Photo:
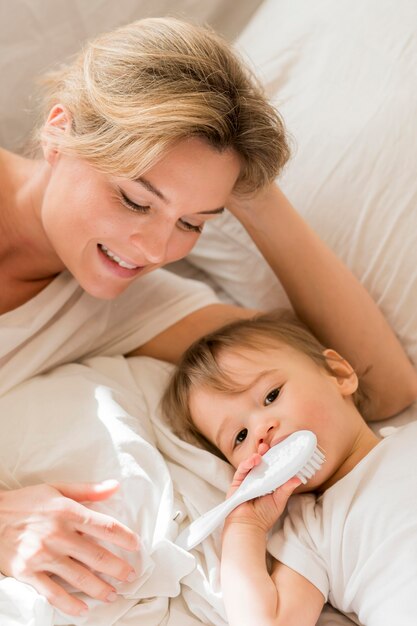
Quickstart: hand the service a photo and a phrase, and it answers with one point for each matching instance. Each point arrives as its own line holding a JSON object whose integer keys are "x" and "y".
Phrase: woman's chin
{"x": 103, "y": 289}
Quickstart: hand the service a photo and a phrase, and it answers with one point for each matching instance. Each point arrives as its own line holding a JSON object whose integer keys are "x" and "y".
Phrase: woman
{"x": 149, "y": 133}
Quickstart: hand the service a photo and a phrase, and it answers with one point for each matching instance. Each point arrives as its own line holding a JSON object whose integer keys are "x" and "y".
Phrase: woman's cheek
{"x": 181, "y": 246}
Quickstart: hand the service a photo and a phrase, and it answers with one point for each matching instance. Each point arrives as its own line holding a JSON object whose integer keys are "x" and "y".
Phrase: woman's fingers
{"x": 97, "y": 558}
{"x": 101, "y": 526}
{"x": 40, "y": 528}
{"x": 82, "y": 579}
{"x": 88, "y": 492}
{"x": 57, "y": 596}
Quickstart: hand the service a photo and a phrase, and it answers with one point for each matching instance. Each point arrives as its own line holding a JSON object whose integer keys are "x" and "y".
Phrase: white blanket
{"x": 99, "y": 420}
{"x": 93, "y": 421}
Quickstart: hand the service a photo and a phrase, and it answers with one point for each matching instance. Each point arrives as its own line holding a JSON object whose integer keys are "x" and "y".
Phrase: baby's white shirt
{"x": 357, "y": 543}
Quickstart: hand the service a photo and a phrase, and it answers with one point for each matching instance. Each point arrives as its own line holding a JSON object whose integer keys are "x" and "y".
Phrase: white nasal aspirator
{"x": 297, "y": 455}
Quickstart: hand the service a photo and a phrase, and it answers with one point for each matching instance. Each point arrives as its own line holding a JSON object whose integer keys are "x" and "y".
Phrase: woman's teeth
{"x": 117, "y": 259}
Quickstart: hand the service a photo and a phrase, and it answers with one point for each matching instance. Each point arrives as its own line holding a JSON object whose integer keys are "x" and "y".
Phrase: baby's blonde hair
{"x": 199, "y": 366}
{"x": 135, "y": 92}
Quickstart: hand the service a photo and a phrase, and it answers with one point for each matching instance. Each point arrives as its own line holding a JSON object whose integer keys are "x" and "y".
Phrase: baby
{"x": 353, "y": 539}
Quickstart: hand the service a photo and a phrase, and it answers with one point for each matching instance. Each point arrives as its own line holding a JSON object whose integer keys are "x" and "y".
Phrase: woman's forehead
{"x": 188, "y": 171}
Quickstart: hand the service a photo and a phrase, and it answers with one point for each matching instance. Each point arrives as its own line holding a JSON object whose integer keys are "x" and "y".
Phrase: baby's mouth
{"x": 279, "y": 439}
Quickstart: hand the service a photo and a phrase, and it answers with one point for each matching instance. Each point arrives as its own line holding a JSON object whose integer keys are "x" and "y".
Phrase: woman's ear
{"x": 58, "y": 121}
{"x": 343, "y": 373}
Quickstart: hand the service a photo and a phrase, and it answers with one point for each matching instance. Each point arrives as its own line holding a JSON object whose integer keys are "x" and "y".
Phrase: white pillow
{"x": 343, "y": 76}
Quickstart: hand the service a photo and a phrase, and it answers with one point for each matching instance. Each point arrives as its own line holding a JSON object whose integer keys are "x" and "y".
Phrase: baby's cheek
{"x": 318, "y": 413}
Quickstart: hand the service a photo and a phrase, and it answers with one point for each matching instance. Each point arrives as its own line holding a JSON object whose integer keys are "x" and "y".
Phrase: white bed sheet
{"x": 101, "y": 412}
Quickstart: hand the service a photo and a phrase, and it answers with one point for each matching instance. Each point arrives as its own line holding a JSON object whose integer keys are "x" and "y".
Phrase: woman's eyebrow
{"x": 151, "y": 188}
{"x": 213, "y": 212}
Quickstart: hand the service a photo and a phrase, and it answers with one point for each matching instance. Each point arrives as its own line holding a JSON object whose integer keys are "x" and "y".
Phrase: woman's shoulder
{"x": 7, "y": 160}
{"x": 9, "y": 163}
{"x": 15, "y": 169}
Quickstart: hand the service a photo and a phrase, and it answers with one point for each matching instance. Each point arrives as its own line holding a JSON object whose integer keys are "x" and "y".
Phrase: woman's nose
{"x": 153, "y": 244}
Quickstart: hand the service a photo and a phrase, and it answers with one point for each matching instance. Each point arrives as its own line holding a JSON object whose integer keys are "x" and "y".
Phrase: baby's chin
{"x": 317, "y": 484}
{"x": 308, "y": 488}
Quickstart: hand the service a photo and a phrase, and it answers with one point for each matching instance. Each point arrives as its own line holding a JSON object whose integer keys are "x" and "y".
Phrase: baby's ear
{"x": 343, "y": 373}
{"x": 58, "y": 121}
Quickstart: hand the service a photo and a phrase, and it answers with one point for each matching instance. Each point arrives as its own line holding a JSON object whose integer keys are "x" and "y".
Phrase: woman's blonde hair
{"x": 133, "y": 93}
{"x": 199, "y": 366}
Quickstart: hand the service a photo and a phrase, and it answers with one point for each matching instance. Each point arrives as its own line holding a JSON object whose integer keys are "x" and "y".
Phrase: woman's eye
{"x": 241, "y": 436}
{"x": 132, "y": 206}
{"x": 272, "y": 396}
{"x": 192, "y": 227}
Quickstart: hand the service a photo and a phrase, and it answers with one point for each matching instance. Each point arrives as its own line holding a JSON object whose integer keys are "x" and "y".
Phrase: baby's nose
{"x": 265, "y": 433}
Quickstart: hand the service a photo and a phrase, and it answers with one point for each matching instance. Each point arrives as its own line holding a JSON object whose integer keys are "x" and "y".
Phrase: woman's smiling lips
{"x": 117, "y": 258}
{"x": 121, "y": 267}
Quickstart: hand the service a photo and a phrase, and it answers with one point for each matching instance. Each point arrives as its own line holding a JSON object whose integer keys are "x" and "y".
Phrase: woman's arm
{"x": 324, "y": 294}
{"x": 329, "y": 299}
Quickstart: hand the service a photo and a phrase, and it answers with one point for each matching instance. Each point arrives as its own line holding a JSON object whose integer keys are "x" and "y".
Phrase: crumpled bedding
{"x": 98, "y": 420}
{"x": 93, "y": 421}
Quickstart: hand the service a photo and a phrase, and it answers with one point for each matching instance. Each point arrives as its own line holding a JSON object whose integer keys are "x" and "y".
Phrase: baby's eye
{"x": 272, "y": 396}
{"x": 241, "y": 436}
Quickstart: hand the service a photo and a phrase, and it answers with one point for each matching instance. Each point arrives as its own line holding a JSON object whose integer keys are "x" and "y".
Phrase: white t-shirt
{"x": 357, "y": 543}
{"x": 64, "y": 324}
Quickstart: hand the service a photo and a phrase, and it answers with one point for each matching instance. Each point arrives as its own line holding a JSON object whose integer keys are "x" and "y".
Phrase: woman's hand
{"x": 261, "y": 512}
{"x": 249, "y": 205}
{"x": 44, "y": 530}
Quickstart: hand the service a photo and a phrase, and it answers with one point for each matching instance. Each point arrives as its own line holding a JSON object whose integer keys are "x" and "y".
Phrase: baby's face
{"x": 285, "y": 391}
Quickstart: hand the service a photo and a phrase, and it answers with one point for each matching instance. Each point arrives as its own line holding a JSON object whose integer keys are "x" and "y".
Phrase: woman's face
{"x": 107, "y": 231}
